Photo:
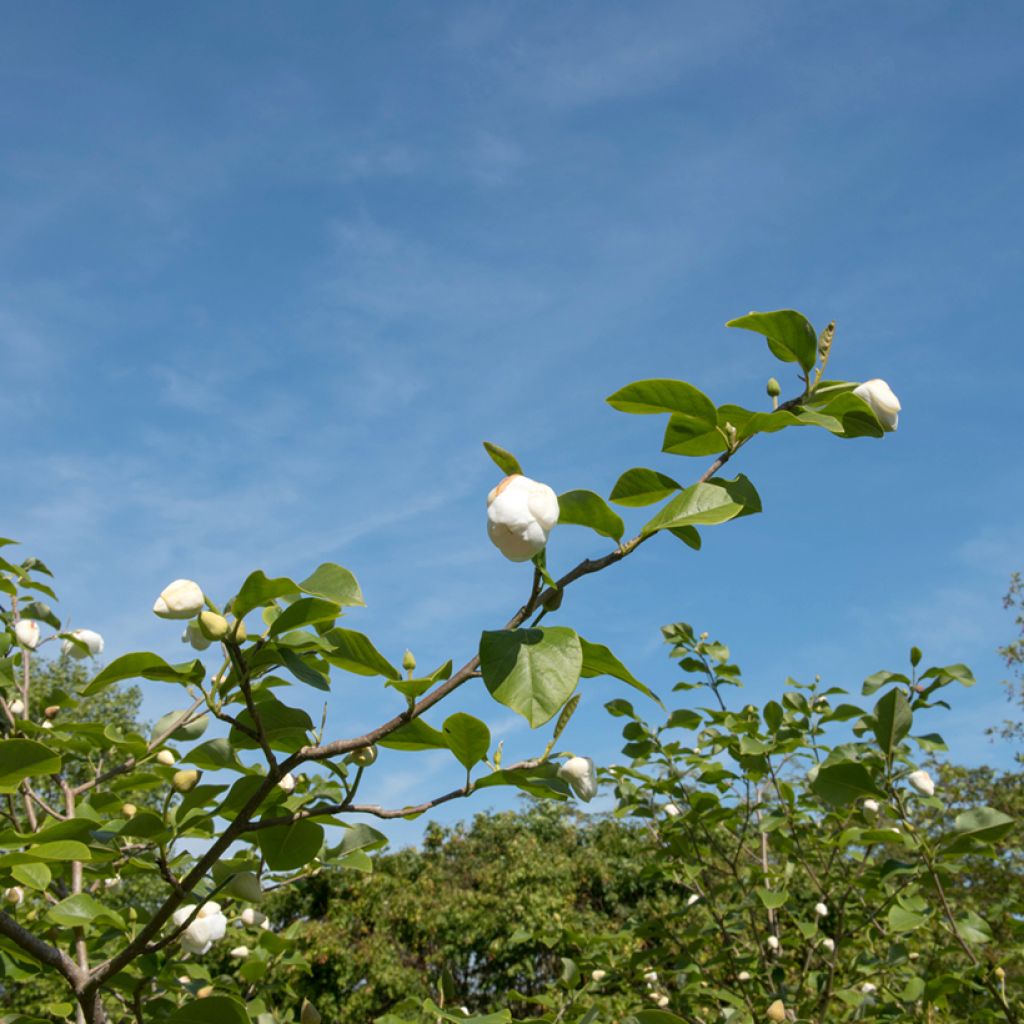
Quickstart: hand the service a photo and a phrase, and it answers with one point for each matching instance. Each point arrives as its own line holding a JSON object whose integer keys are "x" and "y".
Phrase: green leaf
{"x": 716, "y": 501}
{"x": 892, "y": 720}
{"x": 306, "y": 611}
{"x": 259, "y": 589}
{"x": 185, "y": 733}
{"x": 468, "y": 738}
{"x": 973, "y": 929}
{"x": 585, "y": 508}
{"x": 948, "y": 673}
{"x": 902, "y": 920}
{"x": 685, "y": 402}
{"x": 333, "y": 583}
{"x": 144, "y": 665}
{"x": 688, "y": 535}
{"x": 415, "y": 735}
{"x": 35, "y": 876}
{"x": 287, "y": 847}
{"x": 772, "y": 898}
{"x": 531, "y": 671}
{"x": 505, "y": 461}
{"x": 23, "y": 759}
{"x": 982, "y": 825}
{"x": 285, "y": 727}
{"x": 657, "y": 1017}
{"x": 598, "y": 660}
{"x": 843, "y": 783}
{"x": 212, "y": 1010}
{"x": 790, "y": 335}
{"x": 414, "y": 688}
{"x": 355, "y": 653}
{"x": 82, "y": 909}
{"x": 60, "y": 850}
{"x": 641, "y": 486}
{"x": 302, "y": 670}
{"x": 41, "y": 612}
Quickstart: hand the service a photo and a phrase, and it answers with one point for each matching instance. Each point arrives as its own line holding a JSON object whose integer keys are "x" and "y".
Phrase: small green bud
{"x": 774, "y": 389}
{"x": 409, "y": 662}
{"x": 185, "y": 780}
{"x": 133, "y": 914}
{"x": 239, "y": 634}
{"x": 915, "y": 656}
{"x": 363, "y": 756}
{"x": 129, "y": 810}
{"x": 213, "y": 626}
{"x": 1000, "y": 973}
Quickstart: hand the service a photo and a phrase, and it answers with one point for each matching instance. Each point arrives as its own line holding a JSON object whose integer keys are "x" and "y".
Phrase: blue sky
{"x": 270, "y": 275}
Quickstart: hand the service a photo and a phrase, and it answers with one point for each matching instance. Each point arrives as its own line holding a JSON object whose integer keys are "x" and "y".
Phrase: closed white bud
{"x": 868, "y": 987}
{"x": 14, "y": 895}
{"x": 922, "y": 782}
{"x": 17, "y": 706}
{"x": 287, "y": 783}
{"x": 212, "y": 626}
{"x": 179, "y": 600}
{"x": 27, "y": 633}
{"x": 598, "y": 975}
{"x": 205, "y": 992}
{"x": 47, "y": 724}
{"x": 884, "y": 404}
{"x": 308, "y": 1014}
{"x": 92, "y": 641}
{"x": 651, "y": 977}
{"x": 743, "y": 976}
{"x": 692, "y": 898}
{"x": 165, "y": 757}
{"x": 773, "y": 943}
{"x": 913, "y": 956}
{"x": 829, "y": 945}
{"x": 194, "y": 635}
{"x": 129, "y": 810}
{"x": 671, "y": 810}
{"x": 776, "y": 1011}
{"x": 661, "y": 1001}
{"x": 253, "y": 918}
{"x": 870, "y": 807}
{"x": 521, "y": 513}
{"x": 239, "y": 952}
{"x": 581, "y": 775}
{"x": 185, "y": 780}
{"x": 821, "y": 910}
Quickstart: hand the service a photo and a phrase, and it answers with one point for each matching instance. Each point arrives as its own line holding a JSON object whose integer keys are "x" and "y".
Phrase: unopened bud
{"x": 409, "y": 662}
{"x": 308, "y": 1013}
{"x": 133, "y": 914}
{"x": 213, "y": 626}
{"x": 17, "y": 706}
{"x": 239, "y": 634}
{"x": 363, "y": 756}
{"x": 52, "y": 711}
{"x": 914, "y": 955}
{"x": 1000, "y": 973}
{"x": 185, "y": 780}
{"x": 773, "y": 388}
{"x": 776, "y": 1011}
{"x": 287, "y": 783}
{"x": 598, "y": 975}
{"x": 129, "y": 810}
{"x": 165, "y": 757}
{"x": 14, "y": 895}
{"x": 205, "y": 992}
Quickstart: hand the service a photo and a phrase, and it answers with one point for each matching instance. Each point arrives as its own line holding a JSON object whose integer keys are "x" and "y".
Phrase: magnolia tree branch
{"x": 42, "y": 951}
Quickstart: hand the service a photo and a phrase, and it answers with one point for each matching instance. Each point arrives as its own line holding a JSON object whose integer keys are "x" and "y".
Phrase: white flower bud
{"x": 773, "y": 943}
{"x": 868, "y": 988}
{"x": 521, "y": 513}
{"x": 829, "y": 945}
{"x": 661, "y": 1001}
{"x": 651, "y": 977}
{"x": 17, "y": 706}
{"x": 112, "y": 884}
{"x": 205, "y": 992}
{"x": 581, "y": 775}
{"x": 194, "y": 635}
{"x": 27, "y": 633}
{"x": 922, "y": 782}
{"x": 287, "y": 783}
{"x": 821, "y": 910}
{"x": 253, "y": 918}
{"x": 691, "y": 899}
{"x": 598, "y": 975}
{"x": 870, "y": 807}
{"x": 671, "y": 810}
{"x": 165, "y": 757}
{"x": 776, "y": 1011}
{"x": 47, "y": 724}
{"x": 14, "y": 895}
{"x": 239, "y": 952}
{"x": 93, "y": 644}
{"x": 179, "y": 600}
{"x": 884, "y": 404}
{"x": 914, "y": 955}
{"x": 743, "y": 976}
{"x": 185, "y": 780}
{"x": 129, "y": 810}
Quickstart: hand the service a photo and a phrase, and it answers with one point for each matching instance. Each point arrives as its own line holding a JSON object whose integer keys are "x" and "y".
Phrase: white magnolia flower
{"x": 598, "y": 975}
{"x": 208, "y": 927}
{"x": 821, "y": 910}
{"x": 239, "y": 952}
{"x": 773, "y": 943}
{"x": 287, "y": 783}
{"x": 193, "y": 635}
{"x": 743, "y": 976}
{"x": 868, "y": 987}
{"x": 871, "y": 807}
{"x": 829, "y": 945}
{"x": 691, "y": 899}
{"x": 17, "y": 706}
{"x": 671, "y": 810}
{"x": 884, "y": 404}
{"x": 581, "y": 775}
{"x": 253, "y": 918}
{"x": 93, "y": 644}
{"x": 922, "y": 782}
{"x": 520, "y": 514}
{"x": 165, "y": 757}
{"x": 27, "y": 633}
{"x": 15, "y": 894}
{"x": 179, "y": 600}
